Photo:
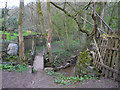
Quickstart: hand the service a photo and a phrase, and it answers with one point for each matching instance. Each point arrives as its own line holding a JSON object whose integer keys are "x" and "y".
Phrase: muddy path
{"x": 40, "y": 79}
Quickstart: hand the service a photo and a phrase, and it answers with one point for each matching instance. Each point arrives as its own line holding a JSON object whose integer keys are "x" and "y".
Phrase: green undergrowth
{"x": 61, "y": 79}
{"x": 61, "y": 54}
{"x": 14, "y": 35}
{"x": 12, "y": 63}
{"x": 11, "y": 68}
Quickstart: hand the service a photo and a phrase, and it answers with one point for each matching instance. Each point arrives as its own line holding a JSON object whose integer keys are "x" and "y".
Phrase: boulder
{"x": 12, "y": 49}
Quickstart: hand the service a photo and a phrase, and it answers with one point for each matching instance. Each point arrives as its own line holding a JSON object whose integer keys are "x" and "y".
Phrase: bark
{"x": 42, "y": 20}
{"x": 95, "y": 21}
{"x": 21, "y": 42}
{"x": 102, "y": 14}
{"x": 5, "y": 19}
{"x": 66, "y": 32}
{"x": 49, "y": 33}
{"x": 48, "y": 44}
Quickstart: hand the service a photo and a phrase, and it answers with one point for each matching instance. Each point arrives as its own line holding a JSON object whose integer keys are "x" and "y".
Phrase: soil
{"x": 40, "y": 79}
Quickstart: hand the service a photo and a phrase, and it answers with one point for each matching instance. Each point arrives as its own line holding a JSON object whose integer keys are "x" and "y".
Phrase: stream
{"x": 70, "y": 71}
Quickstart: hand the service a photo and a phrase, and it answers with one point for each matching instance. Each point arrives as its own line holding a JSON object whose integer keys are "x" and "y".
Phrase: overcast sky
{"x": 12, "y": 3}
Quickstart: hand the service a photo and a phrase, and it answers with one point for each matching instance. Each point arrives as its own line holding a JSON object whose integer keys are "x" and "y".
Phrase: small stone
{"x": 32, "y": 82}
{"x": 99, "y": 80}
{"x": 48, "y": 69}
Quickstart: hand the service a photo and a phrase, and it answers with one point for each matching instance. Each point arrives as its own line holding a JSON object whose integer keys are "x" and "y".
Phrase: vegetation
{"x": 67, "y": 29}
{"x": 61, "y": 79}
{"x": 11, "y": 68}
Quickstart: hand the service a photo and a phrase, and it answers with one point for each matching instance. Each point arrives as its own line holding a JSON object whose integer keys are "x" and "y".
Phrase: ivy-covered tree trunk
{"x": 21, "y": 41}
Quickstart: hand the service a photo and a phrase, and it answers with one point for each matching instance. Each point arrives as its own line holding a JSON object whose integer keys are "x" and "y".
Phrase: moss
{"x": 84, "y": 60}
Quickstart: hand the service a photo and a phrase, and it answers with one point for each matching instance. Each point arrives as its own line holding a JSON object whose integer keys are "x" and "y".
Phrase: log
{"x": 62, "y": 67}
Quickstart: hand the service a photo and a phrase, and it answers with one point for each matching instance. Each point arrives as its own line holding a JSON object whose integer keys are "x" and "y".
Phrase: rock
{"x": 12, "y": 49}
{"x": 48, "y": 69}
{"x": 33, "y": 82}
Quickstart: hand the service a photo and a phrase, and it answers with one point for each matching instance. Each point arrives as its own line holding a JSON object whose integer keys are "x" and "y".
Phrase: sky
{"x": 14, "y": 3}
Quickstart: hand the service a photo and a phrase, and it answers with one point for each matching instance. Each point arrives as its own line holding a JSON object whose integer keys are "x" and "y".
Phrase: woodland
{"x": 60, "y": 45}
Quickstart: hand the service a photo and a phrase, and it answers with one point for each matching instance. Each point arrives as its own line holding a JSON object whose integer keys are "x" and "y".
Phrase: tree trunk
{"x": 21, "y": 42}
{"x": 44, "y": 30}
{"x": 41, "y": 17}
{"x": 49, "y": 33}
{"x": 5, "y": 19}
{"x": 95, "y": 20}
{"x": 66, "y": 32}
{"x": 102, "y": 15}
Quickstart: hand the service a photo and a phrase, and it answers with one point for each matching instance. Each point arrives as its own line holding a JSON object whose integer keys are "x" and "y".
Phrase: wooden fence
{"x": 107, "y": 56}
{"x": 30, "y": 40}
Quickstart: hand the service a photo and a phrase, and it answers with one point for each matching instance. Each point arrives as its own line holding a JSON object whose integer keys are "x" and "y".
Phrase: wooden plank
{"x": 98, "y": 59}
{"x": 102, "y": 46}
{"x": 101, "y": 50}
{"x": 105, "y": 58}
{"x": 110, "y": 36}
{"x": 109, "y": 68}
{"x": 114, "y": 55}
{"x": 110, "y": 44}
{"x": 97, "y": 56}
{"x": 116, "y": 62}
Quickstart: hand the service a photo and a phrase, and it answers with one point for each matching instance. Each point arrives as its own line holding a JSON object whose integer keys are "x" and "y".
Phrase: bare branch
{"x": 73, "y": 17}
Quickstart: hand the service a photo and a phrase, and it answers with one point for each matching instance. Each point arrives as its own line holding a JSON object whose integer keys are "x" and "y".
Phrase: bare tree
{"x": 21, "y": 42}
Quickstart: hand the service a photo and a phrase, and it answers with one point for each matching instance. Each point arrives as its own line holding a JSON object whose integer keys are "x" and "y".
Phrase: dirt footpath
{"x": 27, "y": 80}
{"x": 40, "y": 79}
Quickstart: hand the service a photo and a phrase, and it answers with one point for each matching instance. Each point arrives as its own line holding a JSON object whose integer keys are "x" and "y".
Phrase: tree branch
{"x": 73, "y": 17}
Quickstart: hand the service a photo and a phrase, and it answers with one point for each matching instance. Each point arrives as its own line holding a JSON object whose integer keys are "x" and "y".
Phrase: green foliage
{"x": 11, "y": 68}
{"x": 12, "y": 23}
{"x": 14, "y": 35}
{"x": 61, "y": 79}
{"x": 11, "y": 58}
